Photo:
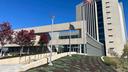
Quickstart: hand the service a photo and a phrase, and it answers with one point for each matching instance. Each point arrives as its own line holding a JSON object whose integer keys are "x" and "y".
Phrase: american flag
{"x": 71, "y": 27}
{"x": 87, "y": 1}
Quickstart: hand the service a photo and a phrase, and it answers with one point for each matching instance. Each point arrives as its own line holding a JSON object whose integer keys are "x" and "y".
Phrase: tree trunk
{"x": 42, "y": 52}
{"x": 50, "y": 56}
{"x": 28, "y": 52}
{"x": 1, "y": 50}
{"x": 38, "y": 53}
{"x": 21, "y": 51}
{"x": 35, "y": 53}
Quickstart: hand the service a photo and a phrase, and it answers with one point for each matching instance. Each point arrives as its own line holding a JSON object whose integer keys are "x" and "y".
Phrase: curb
{"x": 102, "y": 58}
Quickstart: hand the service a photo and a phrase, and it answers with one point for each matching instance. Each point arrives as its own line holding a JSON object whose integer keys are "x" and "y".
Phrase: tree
{"x": 24, "y": 38}
{"x": 31, "y": 41}
{"x": 6, "y": 34}
{"x": 125, "y": 51}
{"x": 44, "y": 40}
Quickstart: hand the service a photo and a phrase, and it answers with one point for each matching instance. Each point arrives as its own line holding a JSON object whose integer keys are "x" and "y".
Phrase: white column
{"x": 84, "y": 29}
{"x": 80, "y": 48}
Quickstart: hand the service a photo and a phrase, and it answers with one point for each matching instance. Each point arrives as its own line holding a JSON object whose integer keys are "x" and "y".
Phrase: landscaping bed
{"x": 119, "y": 64}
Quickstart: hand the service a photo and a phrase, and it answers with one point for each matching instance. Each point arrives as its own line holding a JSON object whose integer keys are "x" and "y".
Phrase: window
{"x": 111, "y": 41}
{"x": 108, "y": 12}
{"x": 108, "y": 17}
{"x": 110, "y": 50}
{"x": 107, "y": 6}
{"x": 110, "y": 35}
{"x": 109, "y": 29}
{"x": 109, "y": 23}
{"x": 107, "y": 2}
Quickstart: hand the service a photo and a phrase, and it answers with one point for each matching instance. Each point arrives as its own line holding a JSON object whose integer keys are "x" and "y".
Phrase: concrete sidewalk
{"x": 10, "y": 67}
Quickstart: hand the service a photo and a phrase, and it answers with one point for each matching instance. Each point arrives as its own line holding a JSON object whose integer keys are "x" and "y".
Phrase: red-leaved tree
{"x": 25, "y": 38}
{"x": 44, "y": 40}
{"x": 6, "y": 34}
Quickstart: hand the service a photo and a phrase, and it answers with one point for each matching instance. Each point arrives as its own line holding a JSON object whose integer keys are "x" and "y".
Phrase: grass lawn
{"x": 61, "y": 65}
{"x": 75, "y": 63}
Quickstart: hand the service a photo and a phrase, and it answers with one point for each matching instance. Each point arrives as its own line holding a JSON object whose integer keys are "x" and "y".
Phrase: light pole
{"x": 50, "y": 49}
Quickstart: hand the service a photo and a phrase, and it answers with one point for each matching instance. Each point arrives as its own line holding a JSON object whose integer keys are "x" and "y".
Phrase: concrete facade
{"x": 114, "y": 26}
{"x": 92, "y": 46}
{"x": 110, "y": 19}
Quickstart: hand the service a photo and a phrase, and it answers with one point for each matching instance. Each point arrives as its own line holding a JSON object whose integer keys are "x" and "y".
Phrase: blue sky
{"x": 30, "y": 13}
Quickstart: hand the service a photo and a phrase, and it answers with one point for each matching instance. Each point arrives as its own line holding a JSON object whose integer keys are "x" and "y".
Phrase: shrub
{"x": 110, "y": 61}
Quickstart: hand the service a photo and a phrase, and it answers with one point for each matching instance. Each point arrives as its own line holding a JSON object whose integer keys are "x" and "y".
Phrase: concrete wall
{"x": 56, "y": 27}
{"x": 93, "y": 45}
{"x": 94, "y": 48}
{"x": 117, "y": 26}
{"x": 24, "y": 59}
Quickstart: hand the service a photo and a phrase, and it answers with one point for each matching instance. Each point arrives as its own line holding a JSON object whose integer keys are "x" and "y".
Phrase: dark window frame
{"x": 108, "y": 12}
{"x": 111, "y": 41}
{"x": 108, "y": 17}
{"x": 109, "y": 23}
{"x": 107, "y": 6}
{"x": 107, "y": 2}
{"x": 110, "y": 35}
{"x": 109, "y": 29}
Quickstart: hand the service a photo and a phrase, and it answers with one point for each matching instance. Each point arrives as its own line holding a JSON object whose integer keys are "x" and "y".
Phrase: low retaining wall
{"x": 43, "y": 61}
{"x": 24, "y": 59}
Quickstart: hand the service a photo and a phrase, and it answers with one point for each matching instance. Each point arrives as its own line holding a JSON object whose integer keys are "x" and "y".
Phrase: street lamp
{"x": 50, "y": 48}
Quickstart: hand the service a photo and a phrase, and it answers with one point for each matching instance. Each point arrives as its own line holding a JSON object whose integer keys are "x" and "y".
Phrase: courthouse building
{"x": 99, "y": 29}
{"x": 108, "y": 14}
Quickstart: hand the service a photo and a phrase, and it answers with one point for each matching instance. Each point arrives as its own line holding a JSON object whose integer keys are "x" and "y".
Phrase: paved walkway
{"x": 10, "y": 67}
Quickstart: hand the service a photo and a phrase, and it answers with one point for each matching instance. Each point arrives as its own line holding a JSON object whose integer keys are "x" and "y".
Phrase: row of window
{"x": 108, "y": 12}
{"x": 67, "y": 37}
{"x": 109, "y": 18}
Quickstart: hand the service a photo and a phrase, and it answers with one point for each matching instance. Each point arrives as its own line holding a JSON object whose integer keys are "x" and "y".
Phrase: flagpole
{"x": 53, "y": 17}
